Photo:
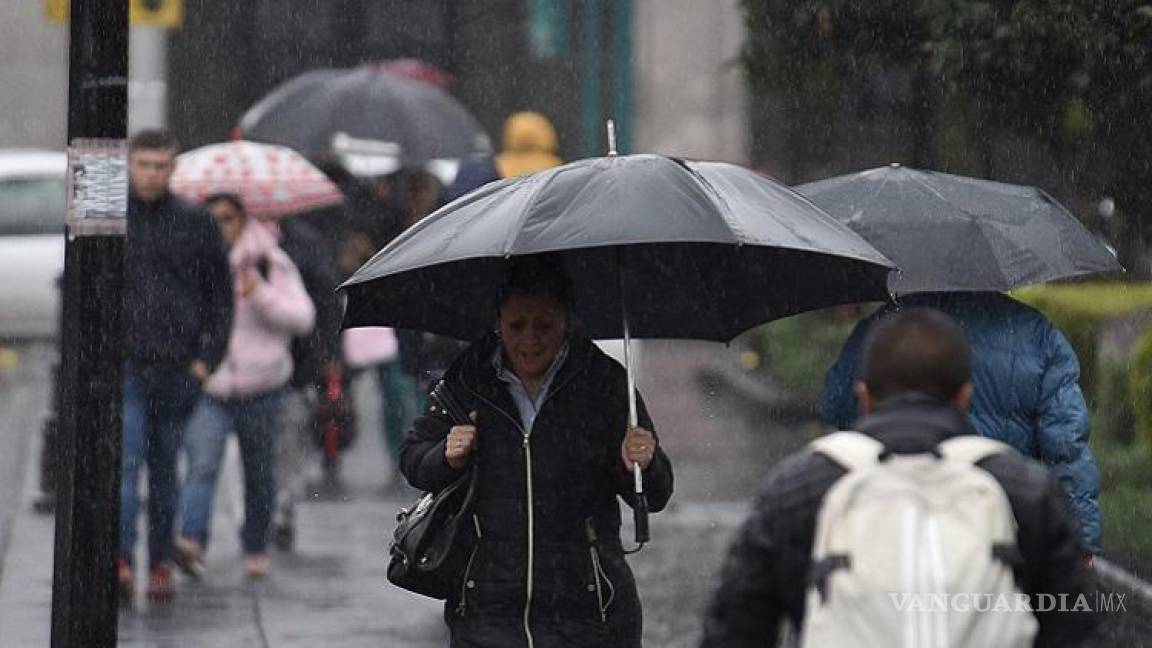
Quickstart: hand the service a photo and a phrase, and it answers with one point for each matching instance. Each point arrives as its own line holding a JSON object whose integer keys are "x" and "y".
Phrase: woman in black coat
{"x": 553, "y": 448}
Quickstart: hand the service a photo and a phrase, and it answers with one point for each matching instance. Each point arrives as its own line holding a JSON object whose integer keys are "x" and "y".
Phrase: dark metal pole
{"x": 84, "y": 601}
{"x": 622, "y": 73}
{"x": 590, "y": 104}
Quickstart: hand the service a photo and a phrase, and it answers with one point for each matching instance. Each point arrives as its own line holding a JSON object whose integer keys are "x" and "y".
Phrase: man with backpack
{"x": 914, "y": 531}
{"x": 1025, "y": 390}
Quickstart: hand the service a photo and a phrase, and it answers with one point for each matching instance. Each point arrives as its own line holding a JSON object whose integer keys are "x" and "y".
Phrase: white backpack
{"x": 913, "y": 551}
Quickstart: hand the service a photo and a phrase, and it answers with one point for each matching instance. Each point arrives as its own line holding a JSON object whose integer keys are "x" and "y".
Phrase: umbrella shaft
{"x": 633, "y": 418}
{"x": 637, "y": 478}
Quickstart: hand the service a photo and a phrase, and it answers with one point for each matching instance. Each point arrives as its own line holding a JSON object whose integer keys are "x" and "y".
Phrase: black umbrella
{"x": 656, "y": 247}
{"x": 954, "y": 233}
{"x": 369, "y": 119}
{"x": 709, "y": 250}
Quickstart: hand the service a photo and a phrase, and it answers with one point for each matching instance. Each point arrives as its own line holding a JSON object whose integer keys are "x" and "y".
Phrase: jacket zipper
{"x": 596, "y": 579}
{"x": 531, "y": 522}
{"x": 531, "y": 536}
{"x": 598, "y": 573}
{"x": 526, "y": 434}
{"x": 466, "y": 584}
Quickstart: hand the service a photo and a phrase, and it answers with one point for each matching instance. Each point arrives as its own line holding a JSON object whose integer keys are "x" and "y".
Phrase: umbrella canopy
{"x": 418, "y": 70}
{"x": 270, "y": 180}
{"x": 701, "y": 250}
{"x": 370, "y": 119}
{"x": 953, "y": 233}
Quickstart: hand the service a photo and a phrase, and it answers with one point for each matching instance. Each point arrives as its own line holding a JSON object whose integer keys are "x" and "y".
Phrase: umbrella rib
{"x": 918, "y": 178}
{"x": 543, "y": 184}
{"x": 936, "y": 192}
{"x": 717, "y": 199}
{"x": 884, "y": 181}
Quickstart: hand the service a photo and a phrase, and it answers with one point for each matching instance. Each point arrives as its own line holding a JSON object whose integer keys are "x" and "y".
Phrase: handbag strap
{"x": 443, "y": 395}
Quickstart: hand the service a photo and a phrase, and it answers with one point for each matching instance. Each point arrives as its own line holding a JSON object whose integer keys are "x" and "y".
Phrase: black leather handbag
{"x": 434, "y": 537}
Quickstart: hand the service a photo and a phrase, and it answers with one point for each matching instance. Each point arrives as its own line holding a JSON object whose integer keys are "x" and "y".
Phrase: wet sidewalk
{"x": 331, "y": 589}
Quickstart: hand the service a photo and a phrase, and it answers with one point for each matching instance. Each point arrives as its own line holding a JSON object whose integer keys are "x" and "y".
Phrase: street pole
{"x": 591, "y": 115}
{"x": 84, "y": 601}
{"x": 622, "y": 73}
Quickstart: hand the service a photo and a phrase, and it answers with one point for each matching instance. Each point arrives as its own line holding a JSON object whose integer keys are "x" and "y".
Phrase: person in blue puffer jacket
{"x": 1027, "y": 391}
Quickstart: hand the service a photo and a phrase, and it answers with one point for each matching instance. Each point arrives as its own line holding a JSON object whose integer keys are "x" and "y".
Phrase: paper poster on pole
{"x": 97, "y": 187}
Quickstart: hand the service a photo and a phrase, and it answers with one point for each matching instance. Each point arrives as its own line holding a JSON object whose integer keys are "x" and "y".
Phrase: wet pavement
{"x": 331, "y": 589}
{"x": 25, "y": 537}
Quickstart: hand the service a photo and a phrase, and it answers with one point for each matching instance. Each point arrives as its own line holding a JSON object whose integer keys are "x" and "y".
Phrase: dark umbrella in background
{"x": 418, "y": 70}
{"x": 657, "y": 248}
{"x": 953, "y": 233}
{"x": 373, "y": 120}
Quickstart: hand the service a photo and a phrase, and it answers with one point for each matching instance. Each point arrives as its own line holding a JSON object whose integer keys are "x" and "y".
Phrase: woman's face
{"x": 533, "y": 329}
{"x": 230, "y": 220}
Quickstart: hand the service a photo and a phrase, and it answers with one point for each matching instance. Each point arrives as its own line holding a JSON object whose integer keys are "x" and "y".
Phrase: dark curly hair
{"x": 537, "y": 275}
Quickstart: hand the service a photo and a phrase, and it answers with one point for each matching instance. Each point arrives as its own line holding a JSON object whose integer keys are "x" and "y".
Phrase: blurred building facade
{"x": 691, "y": 97}
{"x": 229, "y": 54}
{"x": 33, "y": 77}
{"x": 681, "y": 94}
{"x": 667, "y": 70}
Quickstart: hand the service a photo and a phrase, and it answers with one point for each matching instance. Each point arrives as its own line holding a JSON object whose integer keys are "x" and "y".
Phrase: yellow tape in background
{"x": 157, "y": 13}
{"x": 57, "y": 9}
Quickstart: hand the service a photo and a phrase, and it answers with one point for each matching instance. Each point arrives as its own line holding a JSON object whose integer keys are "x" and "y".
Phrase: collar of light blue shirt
{"x": 527, "y": 405}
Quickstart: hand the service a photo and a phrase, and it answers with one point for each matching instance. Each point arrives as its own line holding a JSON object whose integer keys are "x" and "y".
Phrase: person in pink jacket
{"x": 244, "y": 394}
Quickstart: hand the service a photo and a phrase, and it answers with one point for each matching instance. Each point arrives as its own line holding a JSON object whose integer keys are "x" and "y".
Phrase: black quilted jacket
{"x": 549, "y": 561}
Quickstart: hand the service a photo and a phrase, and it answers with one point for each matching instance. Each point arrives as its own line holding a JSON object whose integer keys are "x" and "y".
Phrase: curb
{"x": 1117, "y": 578}
{"x": 759, "y": 394}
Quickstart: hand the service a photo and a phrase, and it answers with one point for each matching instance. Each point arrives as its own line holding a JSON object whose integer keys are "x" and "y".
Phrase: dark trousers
{"x": 157, "y": 401}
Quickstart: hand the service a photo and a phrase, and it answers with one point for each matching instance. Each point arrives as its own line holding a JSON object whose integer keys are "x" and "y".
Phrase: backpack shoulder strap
{"x": 852, "y": 450}
{"x": 971, "y": 448}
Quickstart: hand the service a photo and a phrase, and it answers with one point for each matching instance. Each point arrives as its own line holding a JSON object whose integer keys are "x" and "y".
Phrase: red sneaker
{"x": 161, "y": 584}
{"x": 125, "y": 580}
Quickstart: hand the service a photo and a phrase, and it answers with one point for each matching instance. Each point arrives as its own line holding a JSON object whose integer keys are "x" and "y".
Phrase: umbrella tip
{"x": 611, "y": 137}
{"x": 894, "y": 165}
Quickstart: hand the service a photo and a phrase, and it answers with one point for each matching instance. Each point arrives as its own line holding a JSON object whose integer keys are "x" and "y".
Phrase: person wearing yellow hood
{"x": 529, "y": 146}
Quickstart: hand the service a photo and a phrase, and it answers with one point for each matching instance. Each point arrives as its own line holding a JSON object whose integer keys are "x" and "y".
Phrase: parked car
{"x": 32, "y": 211}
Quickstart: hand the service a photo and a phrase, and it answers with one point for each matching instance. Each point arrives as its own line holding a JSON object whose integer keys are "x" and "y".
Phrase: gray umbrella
{"x": 954, "y": 233}
{"x": 656, "y": 247}
{"x": 371, "y": 120}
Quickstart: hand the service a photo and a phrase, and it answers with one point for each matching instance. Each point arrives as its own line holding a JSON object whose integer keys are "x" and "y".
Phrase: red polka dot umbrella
{"x": 271, "y": 180}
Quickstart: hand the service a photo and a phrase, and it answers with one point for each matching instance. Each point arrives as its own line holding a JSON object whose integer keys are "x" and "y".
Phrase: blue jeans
{"x": 254, "y": 420}
{"x": 157, "y": 402}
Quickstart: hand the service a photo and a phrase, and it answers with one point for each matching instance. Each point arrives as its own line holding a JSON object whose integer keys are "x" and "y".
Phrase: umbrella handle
{"x": 640, "y": 508}
{"x": 633, "y": 417}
